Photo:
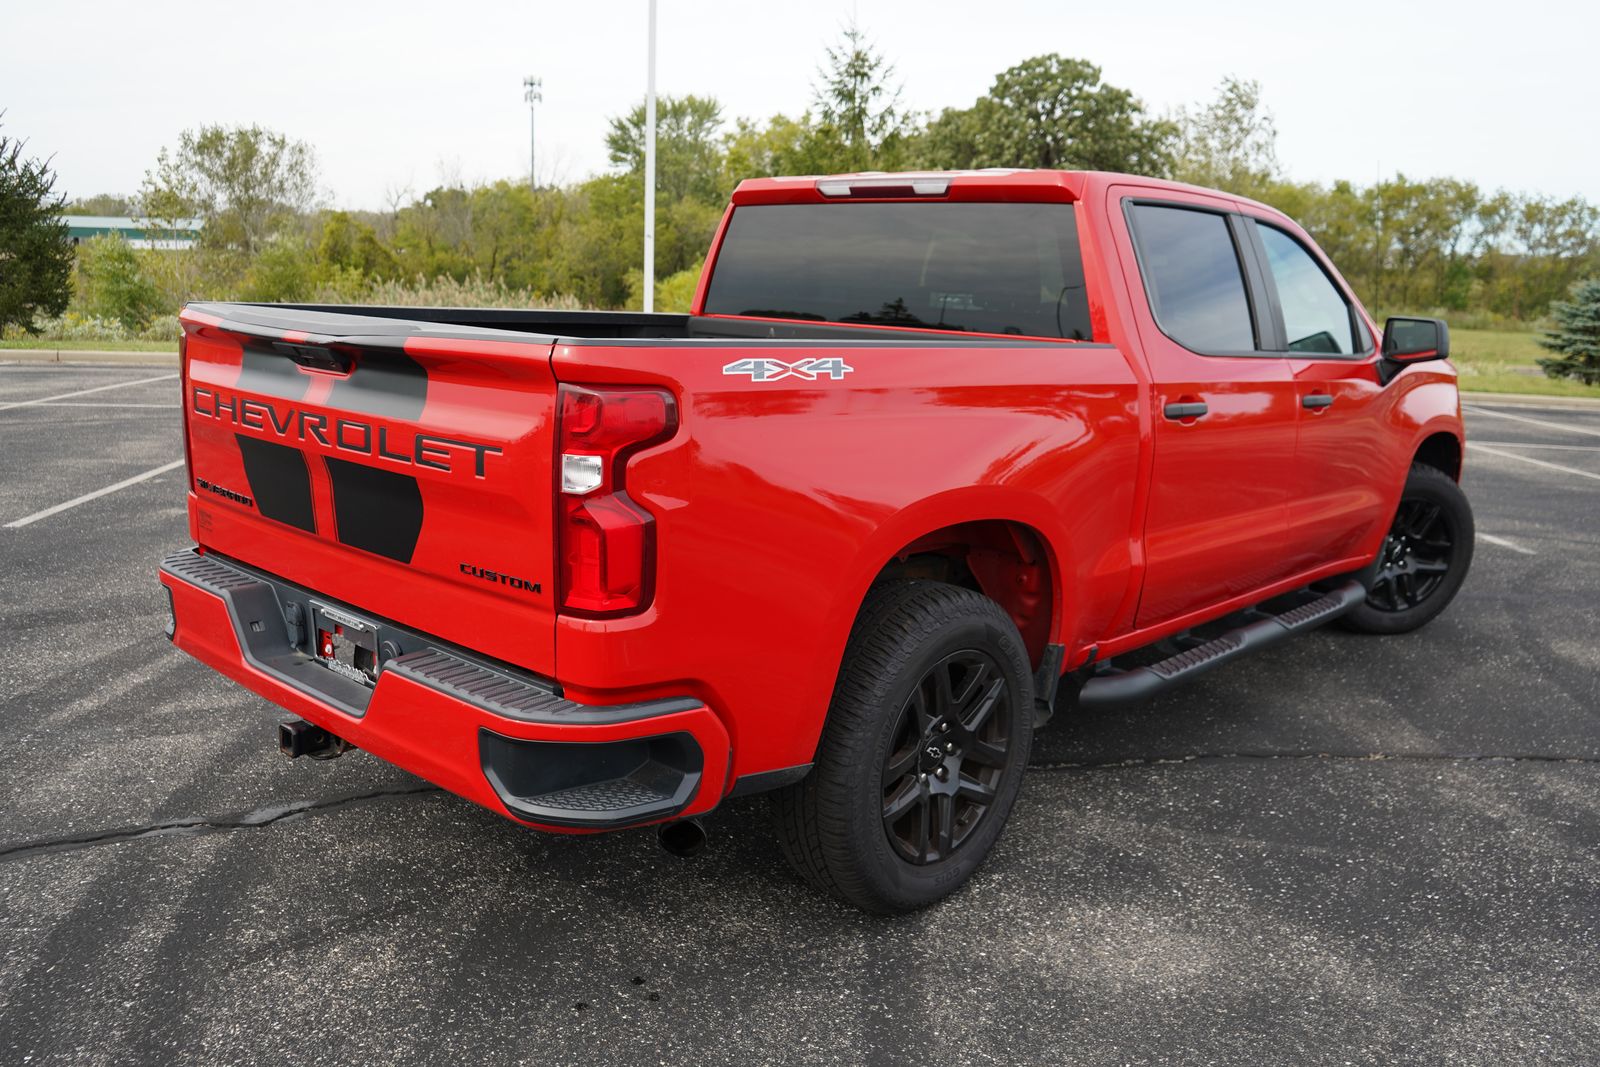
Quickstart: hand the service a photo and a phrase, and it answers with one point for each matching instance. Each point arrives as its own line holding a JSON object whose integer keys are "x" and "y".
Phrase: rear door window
{"x": 980, "y": 268}
{"x": 1193, "y": 277}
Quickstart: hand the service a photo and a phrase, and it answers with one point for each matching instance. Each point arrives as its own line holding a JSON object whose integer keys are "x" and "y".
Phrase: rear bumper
{"x": 500, "y": 737}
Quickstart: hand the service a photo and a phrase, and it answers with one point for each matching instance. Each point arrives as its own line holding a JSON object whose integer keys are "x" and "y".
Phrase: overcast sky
{"x": 398, "y": 95}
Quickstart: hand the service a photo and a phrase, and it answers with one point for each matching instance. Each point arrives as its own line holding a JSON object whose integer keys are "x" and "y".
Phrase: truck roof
{"x": 997, "y": 183}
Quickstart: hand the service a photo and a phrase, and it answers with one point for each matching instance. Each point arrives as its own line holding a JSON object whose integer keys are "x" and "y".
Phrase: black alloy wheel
{"x": 1424, "y": 558}
{"x": 923, "y": 752}
{"x": 943, "y": 771}
{"x": 1415, "y": 558}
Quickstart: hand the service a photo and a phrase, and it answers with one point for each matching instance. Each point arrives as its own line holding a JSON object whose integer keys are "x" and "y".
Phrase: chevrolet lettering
{"x": 343, "y": 433}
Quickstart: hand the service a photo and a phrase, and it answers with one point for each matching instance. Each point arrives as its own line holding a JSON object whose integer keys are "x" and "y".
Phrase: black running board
{"x": 1117, "y": 687}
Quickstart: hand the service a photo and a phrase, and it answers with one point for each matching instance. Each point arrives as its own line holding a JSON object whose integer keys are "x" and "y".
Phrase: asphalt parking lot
{"x": 1344, "y": 850}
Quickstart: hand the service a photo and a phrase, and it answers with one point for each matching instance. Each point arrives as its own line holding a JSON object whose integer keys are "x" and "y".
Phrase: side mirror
{"x": 1407, "y": 340}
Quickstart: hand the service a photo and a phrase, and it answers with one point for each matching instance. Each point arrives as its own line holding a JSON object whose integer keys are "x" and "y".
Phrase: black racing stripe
{"x": 376, "y": 510}
{"x": 279, "y": 480}
{"x": 389, "y": 384}
{"x": 268, "y": 372}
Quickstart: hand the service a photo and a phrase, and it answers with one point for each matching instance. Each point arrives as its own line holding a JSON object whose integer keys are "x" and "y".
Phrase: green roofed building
{"x": 140, "y": 233}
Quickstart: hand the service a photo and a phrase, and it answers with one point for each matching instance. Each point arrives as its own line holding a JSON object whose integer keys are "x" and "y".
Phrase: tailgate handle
{"x": 317, "y": 357}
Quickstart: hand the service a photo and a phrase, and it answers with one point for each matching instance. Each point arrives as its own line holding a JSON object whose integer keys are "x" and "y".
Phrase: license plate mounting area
{"x": 345, "y": 644}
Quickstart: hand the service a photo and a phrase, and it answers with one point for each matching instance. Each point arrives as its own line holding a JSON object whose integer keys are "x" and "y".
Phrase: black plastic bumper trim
{"x": 257, "y": 613}
{"x": 261, "y": 608}
{"x": 766, "y": 781}
{"x": 1046, "y": 681}
{"x": 501, "y": 693}
{"x": 597, "y": 784}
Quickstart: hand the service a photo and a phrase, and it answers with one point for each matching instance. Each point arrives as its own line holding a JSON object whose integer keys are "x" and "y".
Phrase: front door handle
{"x": 1189, "y": 410}
{"x": 1316, "y": 401}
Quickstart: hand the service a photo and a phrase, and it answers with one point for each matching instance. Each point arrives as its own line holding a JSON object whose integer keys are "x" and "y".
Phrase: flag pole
{"x": 650, "y": 170}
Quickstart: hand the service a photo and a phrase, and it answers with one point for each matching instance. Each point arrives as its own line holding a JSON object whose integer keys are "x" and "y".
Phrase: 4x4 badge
{"x": 770, "y": 370}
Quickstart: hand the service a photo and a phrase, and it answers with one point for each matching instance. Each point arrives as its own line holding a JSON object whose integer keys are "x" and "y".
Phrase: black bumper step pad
{"x": 501, "y": 693}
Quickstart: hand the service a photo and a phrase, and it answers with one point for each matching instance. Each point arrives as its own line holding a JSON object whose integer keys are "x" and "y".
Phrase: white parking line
{"x": 85, "y": 392}
{"x": 1497, "y": 444}
{"x": 161, "y": 407}
{"x": 1532, "y": 422}
{"x": 85, "y": 498}
{"x": 1476, "y": 447}
{"x": 1505, "y": 543}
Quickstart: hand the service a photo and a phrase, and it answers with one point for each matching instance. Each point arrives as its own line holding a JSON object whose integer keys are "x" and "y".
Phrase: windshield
{"x": 982, "y": 268}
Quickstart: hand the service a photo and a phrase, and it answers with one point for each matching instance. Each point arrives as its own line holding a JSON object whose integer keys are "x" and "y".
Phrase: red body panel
{"x": 490, "y": 392}
{"x": 776, "y": 503}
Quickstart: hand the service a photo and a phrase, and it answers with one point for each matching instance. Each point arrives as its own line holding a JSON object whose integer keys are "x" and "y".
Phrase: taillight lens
{"x": 606, "y": 542}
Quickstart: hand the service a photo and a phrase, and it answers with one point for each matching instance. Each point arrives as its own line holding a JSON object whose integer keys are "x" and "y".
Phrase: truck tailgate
{"x": 408, "y": 476}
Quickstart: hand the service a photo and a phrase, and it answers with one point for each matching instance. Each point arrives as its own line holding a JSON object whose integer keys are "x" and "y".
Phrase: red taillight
{"x": 606, "y": 541}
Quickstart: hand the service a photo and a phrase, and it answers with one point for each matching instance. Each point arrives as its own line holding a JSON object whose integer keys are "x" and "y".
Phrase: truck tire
{"x": 1424, "y": 559}
{"x": 923, "y": 753}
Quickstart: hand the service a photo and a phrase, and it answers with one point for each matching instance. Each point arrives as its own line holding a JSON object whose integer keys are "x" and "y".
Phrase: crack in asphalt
{"x": 1331, "y": 757}
{"x": 194, "y": 827}
{"x": 267, "y": 816}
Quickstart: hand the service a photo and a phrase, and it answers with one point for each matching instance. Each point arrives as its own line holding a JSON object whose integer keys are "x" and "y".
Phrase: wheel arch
{"x": 982, "y": 538}
{"x": 1442, "y": 451}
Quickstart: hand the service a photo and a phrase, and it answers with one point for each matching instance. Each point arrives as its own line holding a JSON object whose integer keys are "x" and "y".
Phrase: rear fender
{"x": 955, "y": 507}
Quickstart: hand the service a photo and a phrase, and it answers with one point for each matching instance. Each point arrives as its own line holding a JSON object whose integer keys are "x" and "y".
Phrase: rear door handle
{"x": 1191, "y": 410}
{"x": 1316, "y": 400}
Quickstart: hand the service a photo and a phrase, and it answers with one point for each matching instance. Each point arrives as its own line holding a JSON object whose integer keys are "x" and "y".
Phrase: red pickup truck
{"x": 933, "y": 456}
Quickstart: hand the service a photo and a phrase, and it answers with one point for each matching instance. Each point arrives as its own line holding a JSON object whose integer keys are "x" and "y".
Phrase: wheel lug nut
{"x": 942, "y": 773}
{"x": 922, "y": 777}
{"x": 944, "y": 728}
{"x": 949, "y": 746}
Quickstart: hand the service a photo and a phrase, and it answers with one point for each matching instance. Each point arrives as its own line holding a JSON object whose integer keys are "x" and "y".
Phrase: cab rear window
{"x": 977, "y": 268}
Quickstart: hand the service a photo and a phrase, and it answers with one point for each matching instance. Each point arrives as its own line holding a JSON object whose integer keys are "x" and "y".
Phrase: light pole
{"x": 650, "y": 170}
{"x": 530, "y": 93}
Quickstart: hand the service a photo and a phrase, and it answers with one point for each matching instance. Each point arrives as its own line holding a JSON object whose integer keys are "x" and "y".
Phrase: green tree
{"x": 1533, "y": 249}
{"x": 113, "y": 285}
{"x": 675, "y": 292}
{"x": 351, "y": 244}
{"x": 285, "y": 269}
{"x": 602, "y": 240}
{"x": 35, "y": 249}
{"x": 245, "y": 183}
{"x": 779, "y": 146}
{"x": 688, "y": 134}
{"x": 1575, "y": 336}
{"x": 1229, "y": 144}
{"x": 1420, "y": 238}
{"x": 1052, "y": 112}
{"x": 101, "y": 204}
{"x": 861, "y": 124}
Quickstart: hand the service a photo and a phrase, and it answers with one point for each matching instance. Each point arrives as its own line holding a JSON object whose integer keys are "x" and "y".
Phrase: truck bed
{"x": 574, "y": 327}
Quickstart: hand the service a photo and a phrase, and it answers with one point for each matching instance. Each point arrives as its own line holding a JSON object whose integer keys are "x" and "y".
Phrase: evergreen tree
{"x": 1576, "y": 336}
{"x": 860, "y": 122}
{"x": 35, "y": 249}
